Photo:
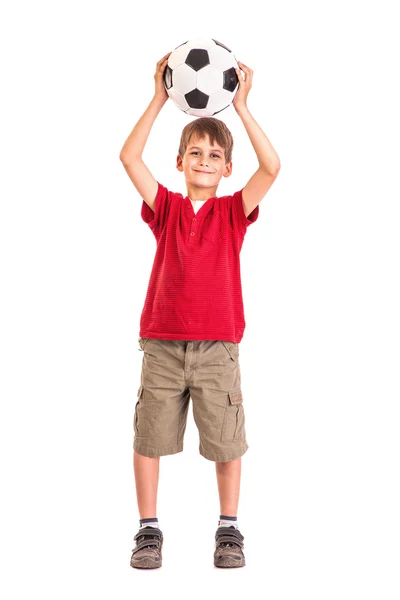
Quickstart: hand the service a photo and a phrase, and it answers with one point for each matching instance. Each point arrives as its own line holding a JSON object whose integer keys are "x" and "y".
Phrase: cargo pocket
{"x": 140, "y": 416}
{"x": 232, "y": 349}
{"x": 233, "y": 425}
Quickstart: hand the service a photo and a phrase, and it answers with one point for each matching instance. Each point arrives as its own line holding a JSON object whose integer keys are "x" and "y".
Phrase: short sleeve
{"x": 157, "y": 219}
{"x": 237, "y": 214}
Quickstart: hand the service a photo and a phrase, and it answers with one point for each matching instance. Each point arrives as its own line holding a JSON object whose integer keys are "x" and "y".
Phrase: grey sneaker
{"x": 147, "y": 553}
{"x": 229, "y": 548}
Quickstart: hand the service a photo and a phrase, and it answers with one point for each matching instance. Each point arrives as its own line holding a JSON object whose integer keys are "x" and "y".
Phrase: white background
{"x": 319, "y": 505}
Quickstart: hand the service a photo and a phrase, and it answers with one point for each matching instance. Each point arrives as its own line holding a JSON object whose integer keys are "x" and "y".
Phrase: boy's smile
{"x": 203, "y": 166}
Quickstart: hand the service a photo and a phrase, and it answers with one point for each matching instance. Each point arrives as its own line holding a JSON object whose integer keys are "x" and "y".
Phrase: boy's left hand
{"x": 240, "y": 98}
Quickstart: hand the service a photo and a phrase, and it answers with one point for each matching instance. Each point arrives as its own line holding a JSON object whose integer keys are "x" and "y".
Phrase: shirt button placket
{"x": 194, "y": 229}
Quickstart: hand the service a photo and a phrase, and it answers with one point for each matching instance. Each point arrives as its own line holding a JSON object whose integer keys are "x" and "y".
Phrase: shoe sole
{"x": 146, "y": 564}
{"x": 229, "y": 563}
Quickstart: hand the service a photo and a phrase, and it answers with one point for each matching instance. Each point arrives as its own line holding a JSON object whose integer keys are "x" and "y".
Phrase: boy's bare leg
{"x": 146, "y": 480}
{"x": 228, "y": 478}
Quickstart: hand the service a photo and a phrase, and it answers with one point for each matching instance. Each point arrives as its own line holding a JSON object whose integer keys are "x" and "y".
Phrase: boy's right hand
{"x": 160, "y": 91}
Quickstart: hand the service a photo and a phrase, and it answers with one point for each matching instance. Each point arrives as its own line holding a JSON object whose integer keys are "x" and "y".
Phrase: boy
{"x": 193, "y": 320}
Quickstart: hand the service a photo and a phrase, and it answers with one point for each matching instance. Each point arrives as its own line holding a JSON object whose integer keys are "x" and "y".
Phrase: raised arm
{"x": 269, "y": 161}
{"x": 132, "y": 150}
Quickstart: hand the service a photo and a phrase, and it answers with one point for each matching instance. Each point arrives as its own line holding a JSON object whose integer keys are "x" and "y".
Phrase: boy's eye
{"x": 196, "y": 152}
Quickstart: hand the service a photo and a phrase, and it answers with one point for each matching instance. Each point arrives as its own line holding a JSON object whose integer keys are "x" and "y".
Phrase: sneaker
{"x": 229, "y": 548}
{"x": 147, "y": 553}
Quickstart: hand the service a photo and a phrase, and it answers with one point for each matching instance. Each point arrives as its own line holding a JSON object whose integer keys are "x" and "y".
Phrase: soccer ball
{"x": 200, "y": 77}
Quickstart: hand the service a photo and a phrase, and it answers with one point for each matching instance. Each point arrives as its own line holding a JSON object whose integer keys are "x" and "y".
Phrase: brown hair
{"x": 215, "y": 129}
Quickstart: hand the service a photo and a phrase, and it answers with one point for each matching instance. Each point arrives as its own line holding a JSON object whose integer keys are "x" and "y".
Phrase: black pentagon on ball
{"x": 197, "y": 59}
{"x": 197, "y": 99}
{"x": 168, "y": 77}
{"x": 230, "y": 79}
{"x": 222, "y": 45}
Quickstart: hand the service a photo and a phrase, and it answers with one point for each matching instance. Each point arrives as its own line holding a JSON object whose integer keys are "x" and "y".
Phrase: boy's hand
{"x": 240, "y": 98}
{"x": 160, "y": 91}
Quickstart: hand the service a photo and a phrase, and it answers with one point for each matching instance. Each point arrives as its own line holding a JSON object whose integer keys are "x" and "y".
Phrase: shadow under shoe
{"x": 147, "y": 553}
{"x": 229, "y": 548}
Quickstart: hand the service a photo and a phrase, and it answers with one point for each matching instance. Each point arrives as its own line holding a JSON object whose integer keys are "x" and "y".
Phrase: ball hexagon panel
{"x": 220, "y": 58}
{"x": 210, "y": 80}
{"x": 219, "y": 99}
{"x": 178, "y": 56}
{"x": 179, "y": 100}
{"x": 199, "y": 112}
{"x": 184, "y": 79}
{"x": 205, "y": 43}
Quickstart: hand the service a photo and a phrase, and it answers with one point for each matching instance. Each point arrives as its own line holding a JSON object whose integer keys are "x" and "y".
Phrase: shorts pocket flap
{"x": 235, "y": 396}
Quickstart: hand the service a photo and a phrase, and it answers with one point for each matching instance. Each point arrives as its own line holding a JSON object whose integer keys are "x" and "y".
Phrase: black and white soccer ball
{"x": 200, "y": 77}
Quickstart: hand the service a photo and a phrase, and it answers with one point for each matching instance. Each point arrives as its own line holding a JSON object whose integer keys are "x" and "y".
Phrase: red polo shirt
{"x": 195, "y": 291}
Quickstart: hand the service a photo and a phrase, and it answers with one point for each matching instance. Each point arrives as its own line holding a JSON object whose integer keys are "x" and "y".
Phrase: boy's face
{"x": 203, "y": 165}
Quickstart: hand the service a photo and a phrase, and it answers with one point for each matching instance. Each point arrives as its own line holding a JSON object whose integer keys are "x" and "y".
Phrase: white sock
{"x": 226, "y": 521}
{"x": 151, "y": 522}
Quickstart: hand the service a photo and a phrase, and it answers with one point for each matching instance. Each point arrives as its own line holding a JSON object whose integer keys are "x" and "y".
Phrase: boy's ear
{"x": 228, "y": 169}
{"x": 179, "y": 163}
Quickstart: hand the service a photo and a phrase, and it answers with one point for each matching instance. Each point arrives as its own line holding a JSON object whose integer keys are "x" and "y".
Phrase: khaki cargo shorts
{"x": 175, "y": 371}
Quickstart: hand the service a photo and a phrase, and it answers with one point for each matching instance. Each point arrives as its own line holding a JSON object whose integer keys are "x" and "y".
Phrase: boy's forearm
{"x": 267, "y": 157}
{"x": 136, "y": 141}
